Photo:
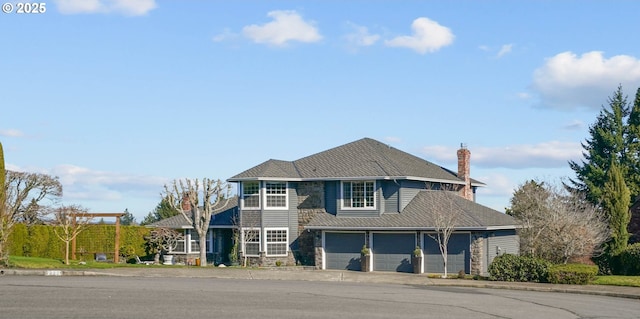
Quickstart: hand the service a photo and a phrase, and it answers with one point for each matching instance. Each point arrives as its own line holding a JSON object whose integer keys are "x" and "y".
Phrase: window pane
{"x": 369, "y": 194}
{"x": 277, "y": 249}
{"x": 251, "y": 194}
{"x": 346, "y": 194}
{"x": 277, "y": 242}
{"x": 276, "y": 194}
{"x": 252, "y": 249}
{"x": 358, "y": 194}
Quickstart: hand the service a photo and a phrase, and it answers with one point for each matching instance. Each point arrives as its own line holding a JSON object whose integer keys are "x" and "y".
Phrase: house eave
{"x": 379, "y": 228}
{"x": 351, "y": 178}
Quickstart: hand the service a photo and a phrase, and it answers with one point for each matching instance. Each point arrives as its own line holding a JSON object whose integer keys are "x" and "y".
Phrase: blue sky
{"x": 118, "y": 97}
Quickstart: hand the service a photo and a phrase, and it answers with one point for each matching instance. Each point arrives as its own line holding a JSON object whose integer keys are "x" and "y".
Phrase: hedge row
{"x": 574, "y": 274}
{"x": 41, "y": 241}
{"x": 528, "y": 269}
{"x": 509, "y": 267}
{"x": 628, "y": 261}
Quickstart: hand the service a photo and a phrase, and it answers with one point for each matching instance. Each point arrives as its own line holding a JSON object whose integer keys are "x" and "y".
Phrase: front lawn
{"x": 48, "y": 263}
{"x": 632, "y": 281}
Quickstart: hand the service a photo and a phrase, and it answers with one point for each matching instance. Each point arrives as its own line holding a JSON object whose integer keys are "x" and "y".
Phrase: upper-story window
{"x": 251, "y": 194}
{"x": 276, "y": 195}
{"x": 358, "y": 194}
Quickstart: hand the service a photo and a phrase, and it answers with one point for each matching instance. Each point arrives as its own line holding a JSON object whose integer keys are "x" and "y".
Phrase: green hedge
{"x": 575, "y": 274}
{"x": 41, "y": 241}
{"x": 509, "y": 267}
{"x": 629, "y": 260}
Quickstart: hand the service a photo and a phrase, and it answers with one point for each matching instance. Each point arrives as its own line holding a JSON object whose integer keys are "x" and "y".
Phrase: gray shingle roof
{"x": 222, "y": 216}
{"x": 362, "y": 158}
{"x": 420, "y": 214}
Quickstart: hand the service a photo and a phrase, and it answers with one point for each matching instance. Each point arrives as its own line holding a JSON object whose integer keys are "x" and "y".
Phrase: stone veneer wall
{"x": 311, "y": 203}
{"x": 477, "y": 254}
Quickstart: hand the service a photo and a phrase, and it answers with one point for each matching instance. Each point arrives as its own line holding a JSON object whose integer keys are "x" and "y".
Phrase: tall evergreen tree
{"x": 633, "y": 148}
{"x": 605, "y": 146}
{"x": 615, "y": 203}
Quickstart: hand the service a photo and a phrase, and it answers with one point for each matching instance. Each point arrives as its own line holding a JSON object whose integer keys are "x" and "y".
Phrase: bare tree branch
{"x": 183, "y": 195}
{"x": 69, "y": 221}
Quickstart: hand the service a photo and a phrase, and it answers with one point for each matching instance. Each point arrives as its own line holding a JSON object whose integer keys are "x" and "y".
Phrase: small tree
{"x": 70, "y": 221}
{"x": 162, "y": 240}
{"x": 185, "y": 195}
{"x": 445, "y": 217}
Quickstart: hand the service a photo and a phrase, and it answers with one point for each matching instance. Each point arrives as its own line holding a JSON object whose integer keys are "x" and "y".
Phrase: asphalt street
{"x": 242, "y": 293}
{"x": 185, "y": 297}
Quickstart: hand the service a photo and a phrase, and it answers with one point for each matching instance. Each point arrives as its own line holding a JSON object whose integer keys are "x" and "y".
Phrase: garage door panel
{"x": 458, "y": 254}
{"x": 342, "y": 250}
{"x": 392, "y": 252}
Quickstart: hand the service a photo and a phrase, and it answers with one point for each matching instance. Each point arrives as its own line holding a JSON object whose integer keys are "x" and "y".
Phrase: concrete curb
{"x": 330, "y": 276}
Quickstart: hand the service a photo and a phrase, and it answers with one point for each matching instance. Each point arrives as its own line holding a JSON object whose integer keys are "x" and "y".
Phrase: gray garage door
{"x": 343, "y": 250}
{"x": 458, "y": 255}
{"x": 392, "y": 252}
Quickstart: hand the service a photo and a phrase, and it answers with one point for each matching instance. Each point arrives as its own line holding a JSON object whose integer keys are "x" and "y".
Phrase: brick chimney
{"x": 464, "y": 163}
{"x": 186, "y": 204}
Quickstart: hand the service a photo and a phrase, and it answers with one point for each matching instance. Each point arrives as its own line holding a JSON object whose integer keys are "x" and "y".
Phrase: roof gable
{"x": 363, "y": 158}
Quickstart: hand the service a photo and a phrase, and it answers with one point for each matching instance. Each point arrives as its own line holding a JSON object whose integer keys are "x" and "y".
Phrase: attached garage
{"x": 342, "y": 250}
{"x": 392, "y": 251}
{"x": 458, "y": 254}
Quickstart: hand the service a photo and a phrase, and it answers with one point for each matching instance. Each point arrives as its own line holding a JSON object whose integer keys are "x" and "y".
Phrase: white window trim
{"x": 375, "y": 195}
{"x": 259, "y": 195}
{"x": 266, "y": 243}
{"x": 263, "y": 190}
{"x": 243, "y": 243}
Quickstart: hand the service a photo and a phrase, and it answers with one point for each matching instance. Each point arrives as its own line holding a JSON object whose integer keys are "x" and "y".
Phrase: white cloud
{"x": 286, "y": 26}
{"x": 428, "y": 36}
{"x": 497, "y": 185}
{"x": 505, "y": 49}
{"x": 567, "y": 80}
{"x": 126, "y": 7}
{"x": 11, "y": 133}
{"x": 360, "y": 37}
{"x": 542, "y": 155}
{"x": 83, "y": 184}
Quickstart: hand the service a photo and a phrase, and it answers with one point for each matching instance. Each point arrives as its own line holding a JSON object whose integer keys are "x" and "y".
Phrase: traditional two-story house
{"x": 322, "y": 209}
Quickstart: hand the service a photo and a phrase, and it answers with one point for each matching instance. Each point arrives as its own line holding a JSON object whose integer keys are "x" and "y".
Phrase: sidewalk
{"x": 329, "y": 275}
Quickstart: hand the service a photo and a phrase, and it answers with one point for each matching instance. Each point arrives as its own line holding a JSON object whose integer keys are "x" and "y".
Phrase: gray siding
{"x": 293, "y": 212}
{"x": 284, "y": 218}
{"x": 506, "y": 240}
{"x": 409, "y": 190}
{"x": 390, "y": 197}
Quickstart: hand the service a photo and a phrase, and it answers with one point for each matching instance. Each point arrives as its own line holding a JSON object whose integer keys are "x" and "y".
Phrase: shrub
{"x": 629, "y": 260}
{"x": 509, "y": 267}
{"x": 574, "y": 274}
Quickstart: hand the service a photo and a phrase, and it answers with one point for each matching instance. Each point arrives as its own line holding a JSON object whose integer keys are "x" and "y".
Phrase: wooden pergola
{"x": 116, "y": 257}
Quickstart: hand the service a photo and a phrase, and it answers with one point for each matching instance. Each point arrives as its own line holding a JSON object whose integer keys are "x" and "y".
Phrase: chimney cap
{"x": 463, "y": 146}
